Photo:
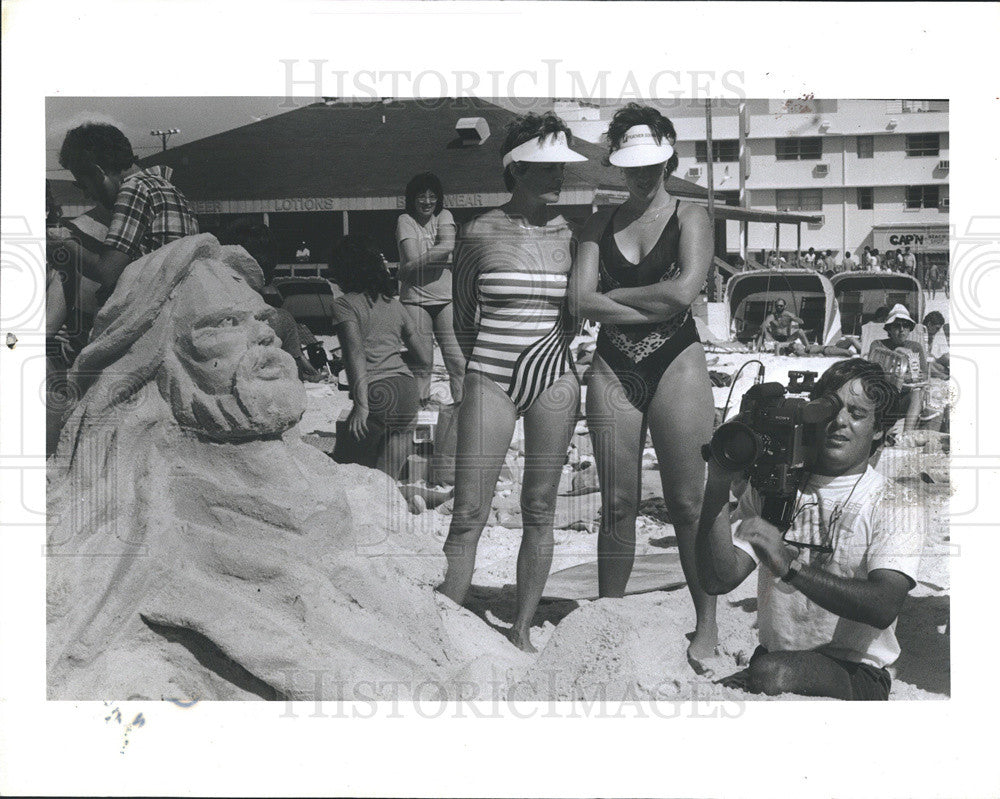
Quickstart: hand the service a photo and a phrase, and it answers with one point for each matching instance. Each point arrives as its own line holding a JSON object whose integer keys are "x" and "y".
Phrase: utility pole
{"x": 164, "y": 135}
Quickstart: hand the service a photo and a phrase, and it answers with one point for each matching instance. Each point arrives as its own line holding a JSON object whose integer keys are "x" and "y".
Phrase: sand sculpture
{"x": 197, "y": 549}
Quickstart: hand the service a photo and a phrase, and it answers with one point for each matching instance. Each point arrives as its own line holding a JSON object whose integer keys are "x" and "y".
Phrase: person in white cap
{"x": 512, "y": 265}
{"x": 898, "y": 325}
{"x": 638, "y": 269}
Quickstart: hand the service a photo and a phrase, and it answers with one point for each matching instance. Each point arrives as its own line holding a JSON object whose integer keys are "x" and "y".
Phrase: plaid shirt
{"x": 149, "y": 212}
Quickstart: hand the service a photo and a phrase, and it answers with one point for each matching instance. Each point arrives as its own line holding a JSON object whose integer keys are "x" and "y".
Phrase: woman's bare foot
{"x": 521, "y": 639}
{"x": 703, "y": 652}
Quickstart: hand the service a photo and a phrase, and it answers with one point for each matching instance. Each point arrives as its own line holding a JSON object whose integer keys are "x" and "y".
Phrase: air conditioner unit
{"x": 822, "y": 170}
{"x": 945, "y": 203}
{"x": 472, "y": 130}
{"x": 819, "y": 223}
{"x": 694, "y": 171}
{"x": 945, "y": 165}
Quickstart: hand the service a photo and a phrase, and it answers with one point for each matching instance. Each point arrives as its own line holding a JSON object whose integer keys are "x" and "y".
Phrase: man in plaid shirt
{"x": 147, "y": 210}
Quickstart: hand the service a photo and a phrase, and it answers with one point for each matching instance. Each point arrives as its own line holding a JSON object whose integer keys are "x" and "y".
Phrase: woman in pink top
{"x": 425, "y": 236}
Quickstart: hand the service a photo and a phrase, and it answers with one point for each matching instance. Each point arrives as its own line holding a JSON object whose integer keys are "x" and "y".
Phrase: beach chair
{"x": 851, "y": 313}
{"x": 748, "y": 324}
{"x": 812, "y": 312}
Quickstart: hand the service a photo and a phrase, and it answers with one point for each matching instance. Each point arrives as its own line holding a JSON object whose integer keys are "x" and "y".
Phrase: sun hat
{"x": 899, "y": 312}
{"x": 641, "y": 147}
{"x": 550, "y": 149}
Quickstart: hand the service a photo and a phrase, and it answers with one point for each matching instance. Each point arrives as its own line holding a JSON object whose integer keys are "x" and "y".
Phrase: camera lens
{"x": 821, "y": 410}
{"x": 735, "y": 445}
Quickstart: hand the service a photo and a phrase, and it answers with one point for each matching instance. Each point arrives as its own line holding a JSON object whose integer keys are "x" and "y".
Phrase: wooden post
{"x": 711, "y": 187}
{"x": 744, "y": 166}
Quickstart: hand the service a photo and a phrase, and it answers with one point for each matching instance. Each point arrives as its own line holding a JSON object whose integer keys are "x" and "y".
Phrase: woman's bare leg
{"x": 485, "y": 427}
{"x": 548, "y": 427}
{"x": 681, "y": 417}
{"x": 617, "y": 430}
{"x": 451, "y": 352}
{"x": 425, "y": 326}
{"x": 913, "y": 410}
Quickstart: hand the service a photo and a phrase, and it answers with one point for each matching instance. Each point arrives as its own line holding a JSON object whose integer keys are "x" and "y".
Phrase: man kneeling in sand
{"x": 829, "y": 590}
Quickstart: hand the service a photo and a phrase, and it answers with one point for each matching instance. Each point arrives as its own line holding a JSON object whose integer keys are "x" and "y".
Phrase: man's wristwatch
{"x": 793, "y": 569}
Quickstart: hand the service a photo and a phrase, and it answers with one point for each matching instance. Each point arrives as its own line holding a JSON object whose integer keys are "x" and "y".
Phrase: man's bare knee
{"x": 770, "y": 674}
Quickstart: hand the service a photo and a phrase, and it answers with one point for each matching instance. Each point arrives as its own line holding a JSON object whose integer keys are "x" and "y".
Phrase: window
{"x": 722, "y": 150}
{"x": 923, "y": 144}
{"x": 922, "y": 196}
{"x": 866, "y": 146}
{"x": 800, "y": 149}
{"x": 866, "y": 198}
{"x": 799, "y": 199}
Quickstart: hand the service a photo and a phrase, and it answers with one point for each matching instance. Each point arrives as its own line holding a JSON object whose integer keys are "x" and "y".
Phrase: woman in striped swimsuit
{"x": 511, "y": 269}
{"x": 638, "y": 269}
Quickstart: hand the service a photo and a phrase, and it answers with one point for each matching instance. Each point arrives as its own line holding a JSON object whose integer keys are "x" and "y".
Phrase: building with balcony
{"x": 874, "y": 171}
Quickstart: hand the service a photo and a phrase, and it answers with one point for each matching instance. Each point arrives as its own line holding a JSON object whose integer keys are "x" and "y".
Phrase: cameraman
{"x": 826, "y": 613}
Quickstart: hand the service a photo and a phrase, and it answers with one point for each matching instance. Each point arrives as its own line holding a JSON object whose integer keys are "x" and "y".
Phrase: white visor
{"x": 551, "y": 149}
{"x": 640, "y": 147}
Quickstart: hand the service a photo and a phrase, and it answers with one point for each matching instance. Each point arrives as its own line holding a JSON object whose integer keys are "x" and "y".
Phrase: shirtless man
{"x": 782, "y": 326}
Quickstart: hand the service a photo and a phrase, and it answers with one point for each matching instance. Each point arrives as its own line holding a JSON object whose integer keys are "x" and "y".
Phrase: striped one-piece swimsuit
{"x": 522, "y": 339}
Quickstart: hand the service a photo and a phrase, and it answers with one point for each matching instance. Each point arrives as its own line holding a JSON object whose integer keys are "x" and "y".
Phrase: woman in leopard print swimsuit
{"x": 638, "y": 269}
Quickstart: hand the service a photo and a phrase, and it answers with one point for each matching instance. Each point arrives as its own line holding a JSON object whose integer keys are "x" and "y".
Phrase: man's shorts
{"x": 868, "y": 684}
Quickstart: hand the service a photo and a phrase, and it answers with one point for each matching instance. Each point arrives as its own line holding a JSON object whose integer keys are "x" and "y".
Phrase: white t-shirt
{"x": 432, "y": 283}
{"x": 939, "y": 345}
{"x": 879, "y": 527}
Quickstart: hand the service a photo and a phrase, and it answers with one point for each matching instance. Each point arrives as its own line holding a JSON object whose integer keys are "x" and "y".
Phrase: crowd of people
{"x": 502, "y": 297}
{"x": 901, "y": 260}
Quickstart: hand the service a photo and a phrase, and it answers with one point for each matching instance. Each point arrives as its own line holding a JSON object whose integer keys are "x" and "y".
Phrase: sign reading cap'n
{"x": 930, "y": 238}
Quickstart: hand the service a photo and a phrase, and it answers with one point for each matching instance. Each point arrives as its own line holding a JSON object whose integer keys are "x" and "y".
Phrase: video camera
{"x": 775, "y": 439}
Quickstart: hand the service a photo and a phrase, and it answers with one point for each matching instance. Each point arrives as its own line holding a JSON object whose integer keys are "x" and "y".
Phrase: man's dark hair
{"x": 877, "y": 388}
{"x": 525, "y": 128}
{"x": 358, "y": 267}
{"x": 96, "y": 144}
{"x": 634, "y": 114}
{"x": 425, "y": 181}
{"x": 254, "y": 237}
{"x": 881, "y": 314}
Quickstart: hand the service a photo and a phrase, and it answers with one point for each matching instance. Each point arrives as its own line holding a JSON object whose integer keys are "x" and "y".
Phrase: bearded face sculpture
{"x": 224, "y": 372}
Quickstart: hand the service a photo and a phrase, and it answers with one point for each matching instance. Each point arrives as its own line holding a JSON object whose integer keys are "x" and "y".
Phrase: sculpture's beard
{"x": 266, "y": 397}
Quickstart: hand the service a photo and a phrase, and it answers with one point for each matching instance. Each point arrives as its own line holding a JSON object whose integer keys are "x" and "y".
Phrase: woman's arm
{"x": 353, "y": 350}
{"x": 464, "y": 295}
{"x": 670, "y": 297}
{"x": 585, "y": 301}
{"x": 410, "y": 257}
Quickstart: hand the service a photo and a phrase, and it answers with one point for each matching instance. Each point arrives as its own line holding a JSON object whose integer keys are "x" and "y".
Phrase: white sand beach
{"x": 636, "y": 647}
